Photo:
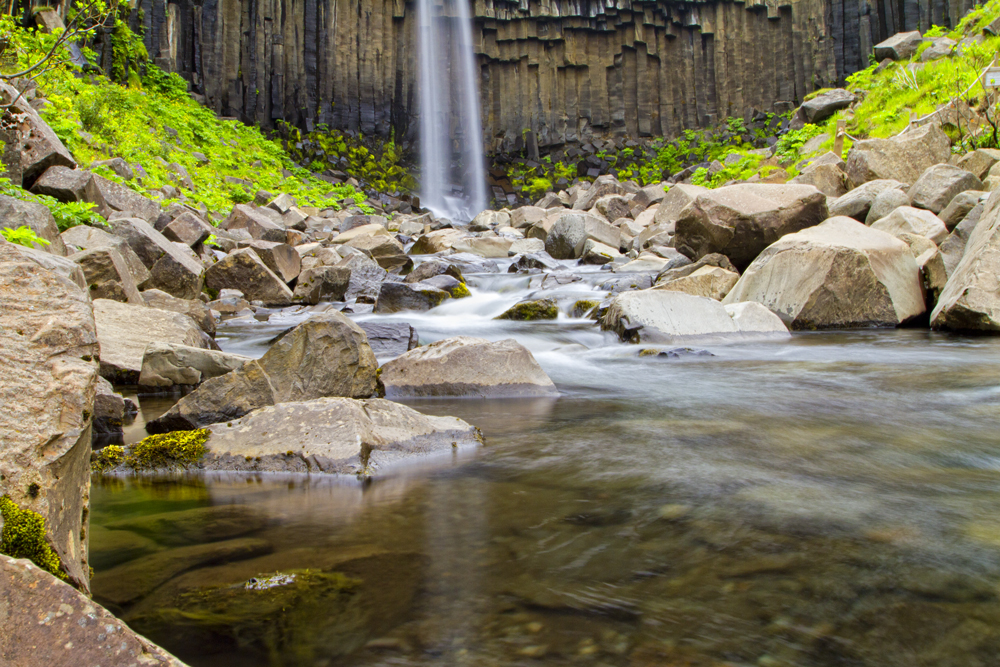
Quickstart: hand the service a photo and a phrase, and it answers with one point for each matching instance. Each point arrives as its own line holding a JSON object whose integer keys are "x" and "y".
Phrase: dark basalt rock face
{"x": 566, "y": 69}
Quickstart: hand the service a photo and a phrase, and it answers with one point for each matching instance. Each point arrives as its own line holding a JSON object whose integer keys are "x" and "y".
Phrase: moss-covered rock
{"x": 526, "y": 311}
{"x": 582, "y": 307}
{"x": 178, "y": 449}
{"x": 23, "y": 536}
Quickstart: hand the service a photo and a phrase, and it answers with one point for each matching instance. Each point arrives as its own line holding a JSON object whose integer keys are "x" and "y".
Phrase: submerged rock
{"x": 466, "y": 366}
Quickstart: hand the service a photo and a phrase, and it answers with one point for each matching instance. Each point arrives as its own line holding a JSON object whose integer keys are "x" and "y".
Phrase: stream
{"x": 828, "y": 500}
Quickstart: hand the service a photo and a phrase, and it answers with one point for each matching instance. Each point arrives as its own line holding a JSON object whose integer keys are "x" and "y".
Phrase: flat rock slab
{"x": 333, "y": 435}
{"x": 48, "y": 622}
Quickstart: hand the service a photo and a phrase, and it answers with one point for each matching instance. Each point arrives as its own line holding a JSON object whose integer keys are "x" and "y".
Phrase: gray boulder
{"x": 571, "y": 231}
{"x": 107, "y": 275}
{"x": 322, "y": 283}
{"x": 366, "y": 278}
{"x": 169, "y": 364}
{"x": 259, "y": 225}
{"x": 823, "y": 106}
{"x": 40, "y": 147}
{"x": 739, "y": 221}
{"x": 909, "y": 220}
{"x": 15, "y": 213}
{"x": 395, "y": 297}
{"x": 189, "y": 229}
{"x": 903, "y": 158}
{"x": 939, "y": 48}
{"x": 953, "y": 247}
{"x": 281, "y": 258}
{"x": 858, "y": 202}
{"x": 127, "y": 202}
{"x": 47, "y": 386}
{"x": 885, "y": 203}
{"x": 466, "y": 366}
{"x": 827, "y": 178}
{"x": 979, "y": 162}
{"x": 244, "y": 270}
{"x": 196, "y": 309}
{"x": 109, "y": 409}
{"x": 71, "y": 185}
{"x": 937, "y": 186}
{"x": 389, "y": 339}
{"x": 175, "y": 272}
{"x": 85, "y": 238}
{"x": 959, "y": 207}
{"x": 840, "y": 274}
{"x": 900, "y": 46}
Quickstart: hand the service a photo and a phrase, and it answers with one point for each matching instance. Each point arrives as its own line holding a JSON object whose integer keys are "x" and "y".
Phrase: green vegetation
{"x": 23, "y": 536}
{"x": 23, "y": 235}
{"x": 166, "y": 450}
{"x": 66, "y": 215}
{"x": 152, "y": 122}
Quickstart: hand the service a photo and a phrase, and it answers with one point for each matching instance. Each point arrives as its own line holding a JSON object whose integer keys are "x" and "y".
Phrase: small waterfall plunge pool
{"x": 832, "y": 500}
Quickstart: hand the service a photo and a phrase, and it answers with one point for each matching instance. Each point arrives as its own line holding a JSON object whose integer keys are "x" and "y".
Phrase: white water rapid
{"x": 450, "y": 128}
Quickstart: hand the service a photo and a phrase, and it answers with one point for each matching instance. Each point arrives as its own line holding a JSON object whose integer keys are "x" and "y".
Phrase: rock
{"x": 389, "y": 339}
{"x": 827, "y": 178}
{"x": 598, "y": 253}
{"x": 107, "y": 275}
{"x": 124, "y": 331}
{"x": 667, "y": 317}
{"x": 454, "y": 287}
{"x": 900, "y": 46}
{"x": 753, "y": 318}
{"x": 739, "y": 221}
{"x": 541, "y": 261}
{"x": 15, "y": 213}
{"x": 913, "y": 221}
{"x": 323, "y": 283}
{"x": 571, "y": 231}
{"x": 356, "y": 233}
{"x": 979, "y": 162}
{"x": 193, "y": 308}
{"x": 885, "y": 203}
{"x": 85, "y": 238}
{"x": 674, "y": 201}
{"x": 823, "y": 106}
{"x": 903, "y": 158}
{"x": 170, "y": 270}
{"x": 366, "y": 279}
{"x": 466, "y": 366}
{"x": 189, "y": 229}
{"x": 343, "y": 436}
{"x": 259, "y": 225}
{"x": 71, "y": 621}
{"x": 395, "y": 297}
{"x": 244, "y": 270}
{"x": 327, "y": 355}
{"x": 939, "y": 48}
{"x": 937, "y": 186}
{"x": 520, "y": 218}
{"x": 959, "y": 207}
{"x": 109, "y": 409}
{"x": 840, "y": 274}
{"x": 169, "y": 364}
{"x": 127, "y": 201}
{"x": 63, "y": 266}
{"x": 709, "y": 281}
{"x": 485, "y": 246}
{"x": 281, "y": 258}
{"x": 377, "y": 245}
{"x": 536, "y": 309}
{"x": 39, "y": 145}
{"x": 970, "y": 300}
{"x": 858, "y": 202}
{"x": 930, "y": 261}
{"x": 218, "y": 399}
{"x": 613, "y": 207}
{"x": 71, "y": 185}
{"x": 119, "y": 166}
{"x": 436, "y": 241}
{"x": 953, "y": 247}
{"x": 433, "y": 268}
{"x": 48, "y": 373}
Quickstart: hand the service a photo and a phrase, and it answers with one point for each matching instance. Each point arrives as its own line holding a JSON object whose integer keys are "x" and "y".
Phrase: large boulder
{"x": 739, "y": 221}
{"x": 668, "y": 317}
{"x": 395, "y": 297}
{"x": 569, "y": 235}
{"x": 334, "y": 435}
{"x": 189, "y": 229}
{"x": 827, "y": 178}
{"x": 245, "y": 270}
{"x": 85, "y": 238}
{"x": 48, "y": 371}
{"x": 909, "y": 220}
{"x": 601, "y": 187}
{"x": 257, "y": 223}
{"x": 903, "y": 158}
{"x": 71, "y": 185}
{"x": 169, "y": 365}
{"x": 15, "y": 213}
{"x": 885, "y": 203}
{"x": 953, "y": 247}
{"x": 40, "y": 147}
{"x": 107, "y": 275}
{"x": 171, "y": 270}
{"x": 959, "y": 207}
{"x": 127, "y": 201}
{"x": 937, "y": 186}
{"x": 713, "y": 282}
{"x": 840, "y": 274}
{"x": 437, "y": 241}
{"x": 47, "y": 622}
{"x": 193, "y": 308}
{"x": 322, "y": 283}
{"x": 390, "y": 339}
{"x": 900, "y": 46}
{"x": 366, "y": 279}
{"x": 823, "y": 106}
{"x": 327, "y": 355}
{"x": 858, "y": 202}
{"x": 281, "y": 258}
{"x": 979, "y": 162}
{"x": 466, "y": 366}
{"x": 971, "y": 298}
{"x": 124, "y": 331}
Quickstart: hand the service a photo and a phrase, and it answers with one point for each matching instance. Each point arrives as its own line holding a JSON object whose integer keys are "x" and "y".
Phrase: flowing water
{"x": 825, "y": 501}
{"x": 452, "y": 168}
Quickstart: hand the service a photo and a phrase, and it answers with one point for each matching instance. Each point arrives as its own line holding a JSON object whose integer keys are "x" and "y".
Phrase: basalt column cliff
{"x": 566, "y": 69}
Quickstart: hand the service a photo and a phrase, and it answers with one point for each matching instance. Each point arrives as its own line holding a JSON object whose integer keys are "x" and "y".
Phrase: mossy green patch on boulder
{"x": 460, "y": 292}
{"x": 164, "y": 450}
{"x": 526, "y": 311}
{"x": 582, "y": 307}
{"x": 23, "y": 536}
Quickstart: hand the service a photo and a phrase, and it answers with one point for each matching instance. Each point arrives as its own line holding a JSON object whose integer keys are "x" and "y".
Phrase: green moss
{"x": 110, "y": 457}
{"x": 582, "y": 307}
{"x": 526, "y": 311}
{"x": 460, "y": 292}
{"x": 167, "y": 450}
{"x": 23, "y": 536}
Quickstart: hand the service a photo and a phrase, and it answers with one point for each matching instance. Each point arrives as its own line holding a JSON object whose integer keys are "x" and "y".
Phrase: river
{"x": 829, "y": 500}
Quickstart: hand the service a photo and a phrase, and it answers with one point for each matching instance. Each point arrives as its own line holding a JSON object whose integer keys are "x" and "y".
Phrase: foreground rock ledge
{"x": 47, "y": 622}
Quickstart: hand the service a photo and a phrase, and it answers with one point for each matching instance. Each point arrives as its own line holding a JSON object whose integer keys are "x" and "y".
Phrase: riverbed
{"x": 828, "y": 500}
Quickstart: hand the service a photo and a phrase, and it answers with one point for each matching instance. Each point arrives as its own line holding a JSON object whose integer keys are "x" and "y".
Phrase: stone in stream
{"x": 389, "y": 339}
{"x": 432, "y": 268}
{"x": 540, "y": 261}
{"x": 713, "y": 282}
{"x": 453, "y": 286}
{"x": 466, "y": 366}
{"x": 739, "y": 221}
{"x": 109, "y": 409}
{"x": 394, "y": 297}
{"x": 527, "y": 311}
{"x": 244, "y": 270}
{"x": 840, "y": 274}
{"x": 168, "y": 365}
{"x": 47, "y": 622}
{"x": 48, "y": 372}
{"x": 333, "y": 435}
{"x": 666, "y": 317}
{"x": 366, "y": 278}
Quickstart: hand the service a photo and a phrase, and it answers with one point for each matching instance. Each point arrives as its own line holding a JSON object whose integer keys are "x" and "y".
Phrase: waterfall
{"x": 450, "y": 128}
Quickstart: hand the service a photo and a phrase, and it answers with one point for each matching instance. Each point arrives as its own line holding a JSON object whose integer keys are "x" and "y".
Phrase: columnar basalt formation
{"x": 565, "y": 69}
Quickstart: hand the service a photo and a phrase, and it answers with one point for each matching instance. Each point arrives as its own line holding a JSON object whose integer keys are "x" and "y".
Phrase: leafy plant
{"x": 23, "y": 235}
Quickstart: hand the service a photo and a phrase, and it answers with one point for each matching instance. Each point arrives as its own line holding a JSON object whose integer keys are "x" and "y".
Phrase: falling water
{"x": 450, "y": 127}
